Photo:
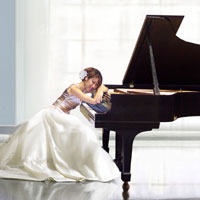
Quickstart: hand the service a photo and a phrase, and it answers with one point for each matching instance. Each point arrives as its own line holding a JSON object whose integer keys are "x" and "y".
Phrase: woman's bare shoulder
{"x": 72, "y": 88}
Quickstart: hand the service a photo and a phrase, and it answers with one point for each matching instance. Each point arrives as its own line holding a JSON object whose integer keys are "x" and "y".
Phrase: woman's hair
{"x": 93, "y": 73}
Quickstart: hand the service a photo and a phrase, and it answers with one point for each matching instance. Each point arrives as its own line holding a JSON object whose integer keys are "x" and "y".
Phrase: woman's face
{"x": 91, "y": 84}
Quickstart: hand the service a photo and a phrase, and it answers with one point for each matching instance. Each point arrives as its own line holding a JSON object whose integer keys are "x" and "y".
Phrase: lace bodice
{"x": 67, "y": 102}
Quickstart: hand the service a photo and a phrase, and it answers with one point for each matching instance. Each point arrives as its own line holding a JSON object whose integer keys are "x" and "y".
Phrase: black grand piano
{"x": 161, "y": 84}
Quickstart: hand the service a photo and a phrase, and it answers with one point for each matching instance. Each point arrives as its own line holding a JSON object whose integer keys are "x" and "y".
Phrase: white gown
{"x": 53, "y": 145}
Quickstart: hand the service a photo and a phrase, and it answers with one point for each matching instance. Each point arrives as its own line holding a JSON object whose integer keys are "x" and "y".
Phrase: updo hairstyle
{"x": 91, "y": 72}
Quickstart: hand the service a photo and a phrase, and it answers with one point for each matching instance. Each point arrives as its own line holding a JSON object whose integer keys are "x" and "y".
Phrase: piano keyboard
{"x": 88, "y": 112}
{"x": 91, "y": 111}
{"x": 99, "y": 108}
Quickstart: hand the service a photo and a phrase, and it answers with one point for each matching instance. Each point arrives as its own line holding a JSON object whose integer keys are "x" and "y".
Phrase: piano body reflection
{"x": 161, "y": 84}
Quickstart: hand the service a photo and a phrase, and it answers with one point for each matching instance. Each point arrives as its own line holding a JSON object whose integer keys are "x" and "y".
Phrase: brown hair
{"x": 94, "y": 73}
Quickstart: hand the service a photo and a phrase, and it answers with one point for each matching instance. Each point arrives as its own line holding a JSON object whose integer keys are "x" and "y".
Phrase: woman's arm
{"x": 74, "y": 90}
{"x": 99, "y": 93}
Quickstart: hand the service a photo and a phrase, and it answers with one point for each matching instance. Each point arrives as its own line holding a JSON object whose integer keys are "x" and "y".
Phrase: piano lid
{"x": 177, "y": 62}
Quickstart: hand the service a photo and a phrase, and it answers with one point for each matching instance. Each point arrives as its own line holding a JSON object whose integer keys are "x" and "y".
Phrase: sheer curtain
{"x": 103, "y": 34}
{"x": 57, "y": 38}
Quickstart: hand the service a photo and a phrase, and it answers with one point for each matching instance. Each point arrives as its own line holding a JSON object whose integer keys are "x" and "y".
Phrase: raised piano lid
{"x": 177, "y": 61}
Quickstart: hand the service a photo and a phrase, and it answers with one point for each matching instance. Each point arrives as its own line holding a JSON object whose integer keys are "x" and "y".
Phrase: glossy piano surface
{"x": 177, "y": 61}
{"x": 161, "y": 83}
{"x": 125, "y": 106}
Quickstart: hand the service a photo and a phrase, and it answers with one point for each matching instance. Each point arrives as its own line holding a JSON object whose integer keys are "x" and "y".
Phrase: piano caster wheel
{"x": 125, "y": 195}
{"x": 126, "y": 186}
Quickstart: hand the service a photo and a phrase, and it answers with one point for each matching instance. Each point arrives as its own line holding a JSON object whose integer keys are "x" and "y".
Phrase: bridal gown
{"x": 54, "y": 145}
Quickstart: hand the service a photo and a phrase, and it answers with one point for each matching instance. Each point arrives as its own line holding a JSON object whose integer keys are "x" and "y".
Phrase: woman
{"x": 57, "y": 146}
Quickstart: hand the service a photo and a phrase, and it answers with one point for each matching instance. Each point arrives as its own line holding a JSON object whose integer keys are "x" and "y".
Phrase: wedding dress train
{"x": 56, "y": 146}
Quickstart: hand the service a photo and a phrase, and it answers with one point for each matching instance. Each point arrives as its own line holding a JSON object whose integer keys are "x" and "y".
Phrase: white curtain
{"x": 103, "y": 33}
{"x": 57, "y": 38}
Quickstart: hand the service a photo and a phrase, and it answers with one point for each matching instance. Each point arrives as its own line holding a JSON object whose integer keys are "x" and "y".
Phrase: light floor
{"x": 159, "y": 171}
{"x": 140, "y": 189}
{"x": 28, "y": 190}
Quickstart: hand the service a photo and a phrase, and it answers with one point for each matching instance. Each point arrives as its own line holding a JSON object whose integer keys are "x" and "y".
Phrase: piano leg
{"x": 118, "y": 151}
{"x": 106, "y": 135}
{"x": 127, "y": 137}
